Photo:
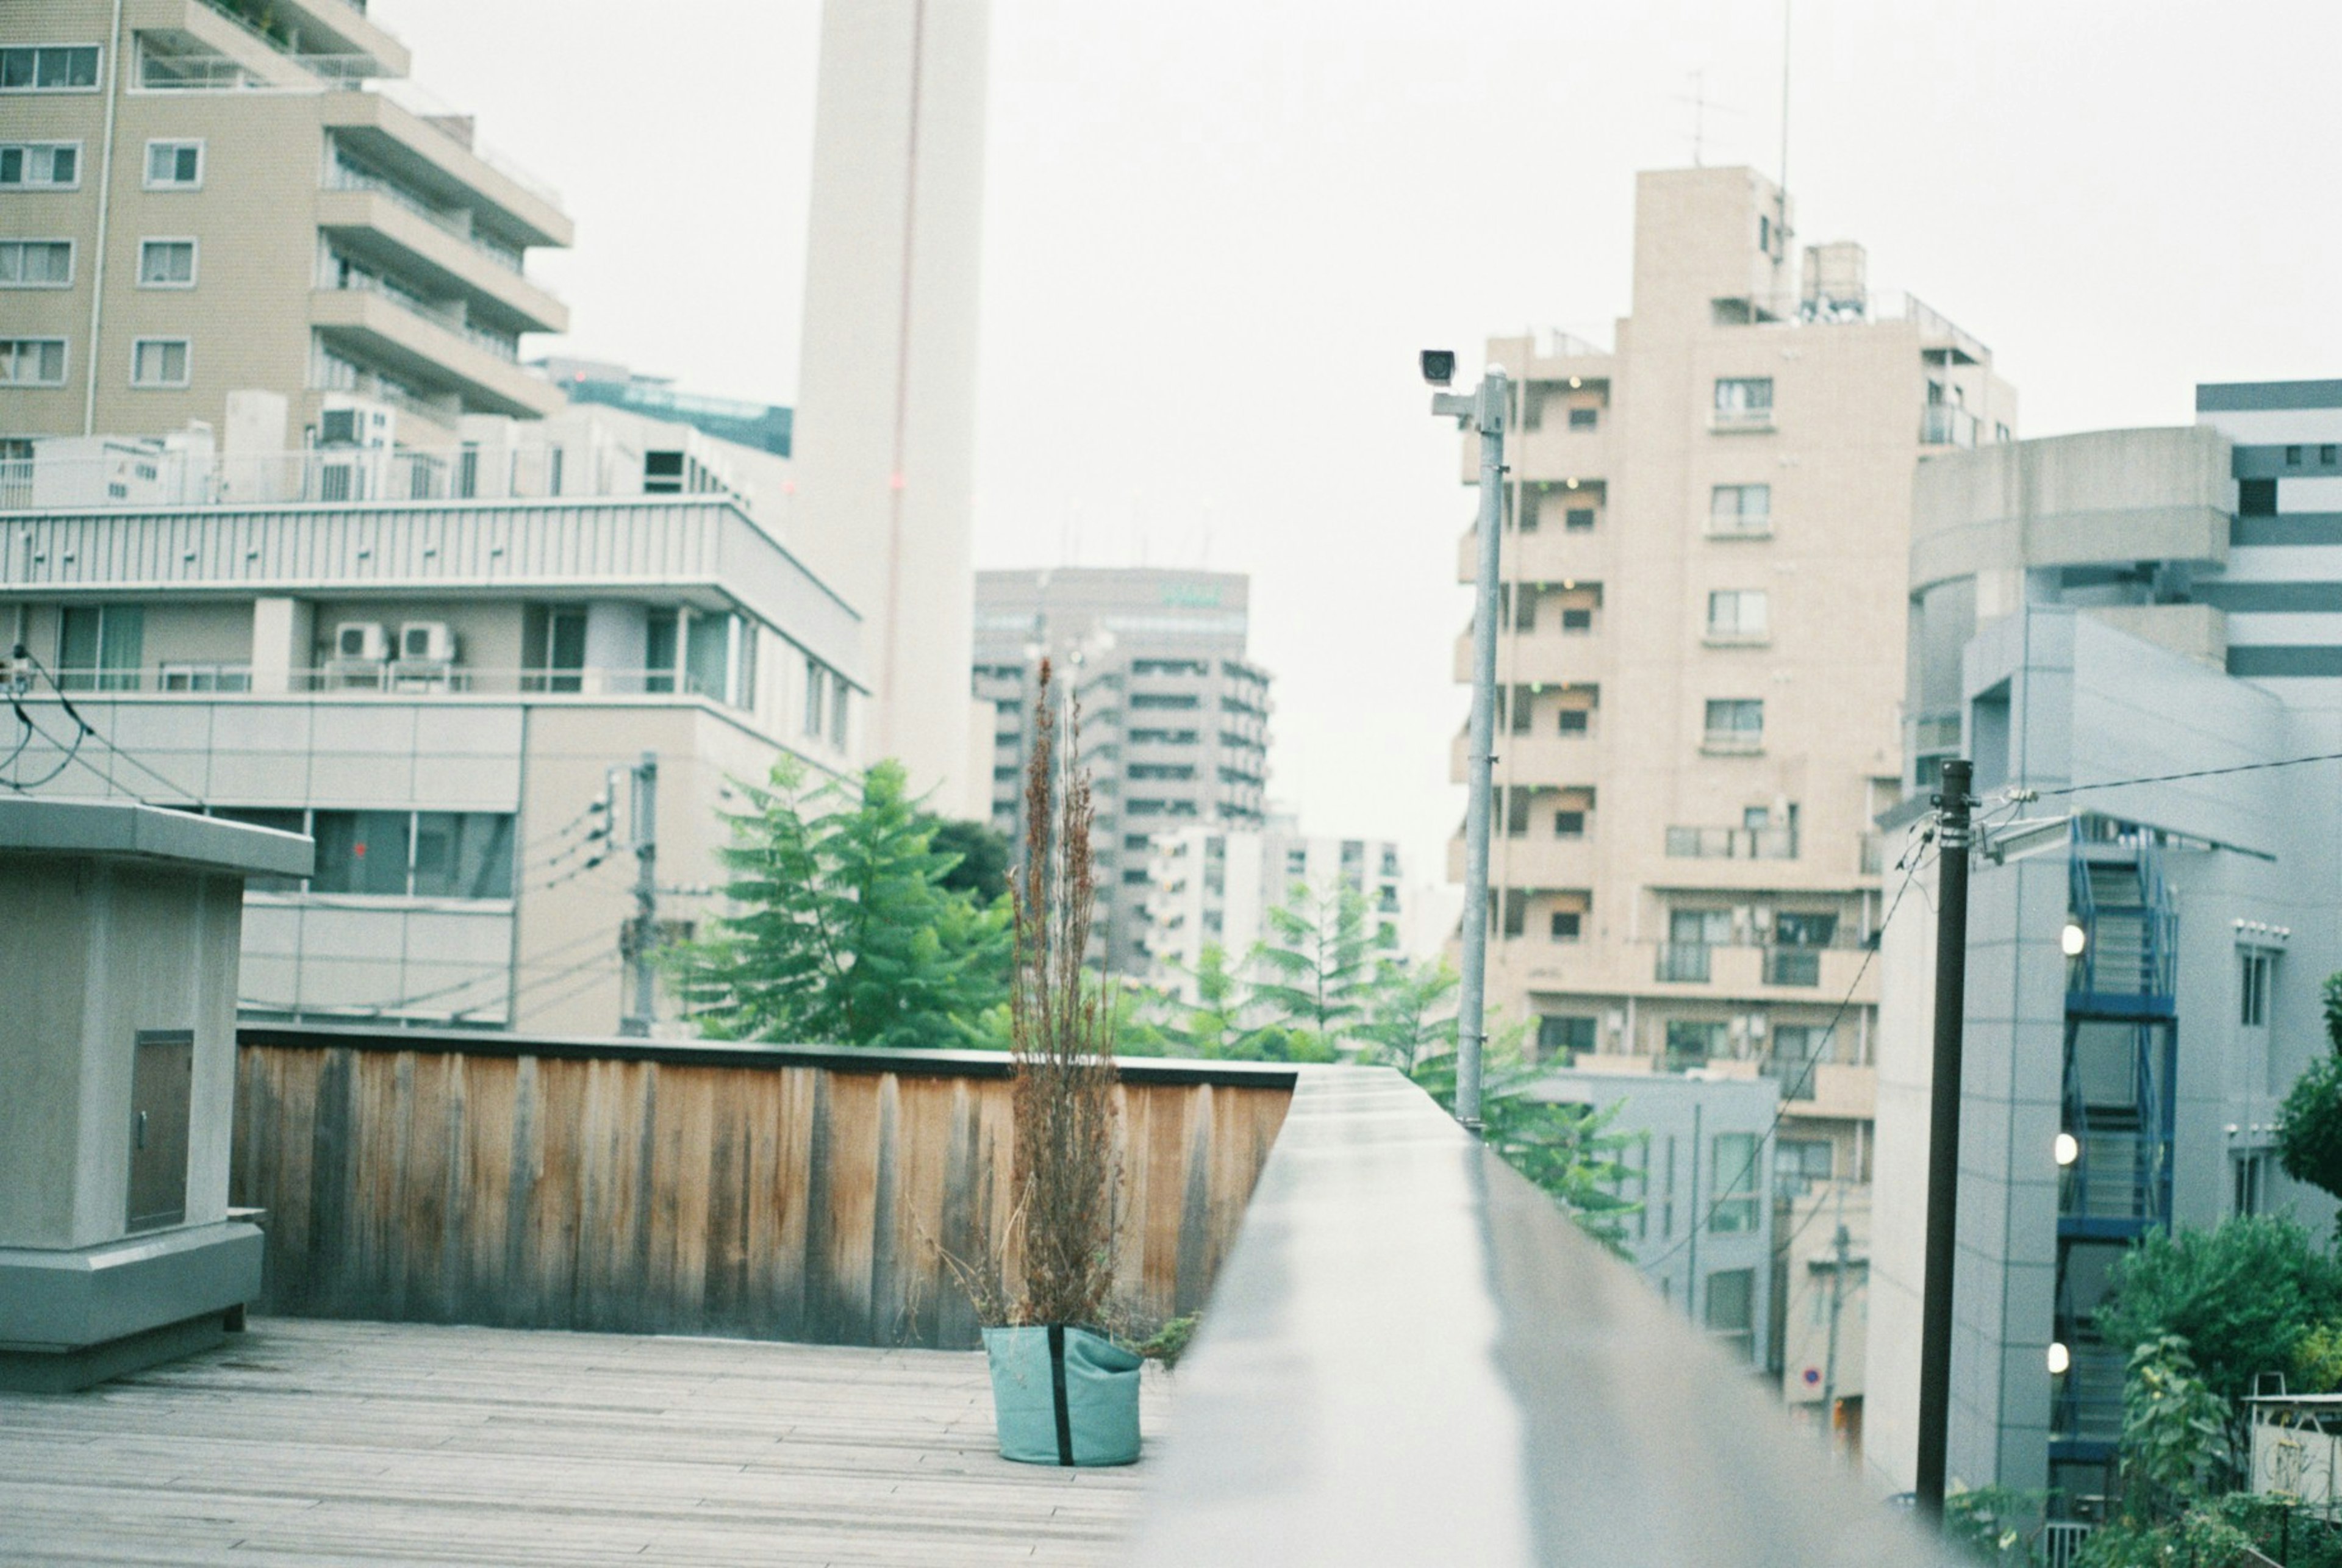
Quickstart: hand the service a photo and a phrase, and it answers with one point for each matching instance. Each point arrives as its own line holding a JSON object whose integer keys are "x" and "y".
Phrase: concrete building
{"x": 207, "y": 196}
{"x": 1216, "y": 886}
{"x": 438, "y": 691}
{"x": 1700, "y": 653}
{"x": 1701, "y": 1164}
{"x": 1175, "y": 718}
{"x": 1821, "y": 1332}
{"x": 2113, "y": 606}
{"x": 886, "y": 436}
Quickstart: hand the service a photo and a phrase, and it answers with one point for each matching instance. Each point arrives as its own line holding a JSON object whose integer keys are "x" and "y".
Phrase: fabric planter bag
{"x": 1063, "y": 1396}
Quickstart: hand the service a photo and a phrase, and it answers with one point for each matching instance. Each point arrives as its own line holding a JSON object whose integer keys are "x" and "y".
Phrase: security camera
{"x": 1439, "y": 365}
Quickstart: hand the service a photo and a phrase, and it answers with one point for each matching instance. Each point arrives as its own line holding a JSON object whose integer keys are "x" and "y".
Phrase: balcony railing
{"x": 1947, "y": 424}
{"x": 1683, "y": 963}
{"x": 448, "y": 318}
{"x": 1732, "y": 843}
{"x": 341, "y": 176}
{"x": 1792, "y": 966}
{"x": 1740, "y": 419}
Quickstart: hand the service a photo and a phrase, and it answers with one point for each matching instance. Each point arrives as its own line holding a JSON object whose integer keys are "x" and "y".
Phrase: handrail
{"x": 1412, "y": 1355}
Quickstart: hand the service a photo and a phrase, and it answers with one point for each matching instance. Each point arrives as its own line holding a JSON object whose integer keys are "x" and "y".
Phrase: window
{"x": 1584, "y": 418}
{"x": 467, "y": 476}
{"x": 174, "y": 165}
{"x": 1137, "y": 877}
{"x": 1700, "y": 927}
{"x": 166, "y": 263}
{"x": 52, "y": 68}
{"x": 101, "y": 647}
{"x": 1737, "y": 723}
{"x": 1573, "y": 720}
{"x": 32, "y": 361}
{"x": 1516, "y": 811}
{"x": 1560, "y": 1035}
{"x": 1797, "y": 1050}
{"x": 1731, "y": 1311}
{"x": 2325, "y": 454}
{"x": 35, "y": 264}
{"x": 1737, "y": 612}
{"x": 1176, "y": 772}
{"x": 1799, "y": 1162}
{"x": 1166, "y": 700}
{"x": 463, "y": 854}
{"x": 1744, "y": 401}
{"x": 1735, "y": 1183}
{"x": 816, "y": 697}
{"x": 361, "y": 852}
{"x": 1691, "y": 1042}
{"x": 2293, "y": 457}
{"x": 707, "y": 656}
{"x": 553, "y": 648}
{"x": 2252, "y": 1177}
{"x": 2256, "y": 497}
{"x": 2254, "y": 967}
{"x": 1570, "y": 824}
{"x": 1795, "y": 930}
{"x": 40, "y": 166}
{"x": 1577, "y": 620}
{"x": 158, "y": 361}
{"x": 1566, "y": 925}
{"x": 1169, "y": 667}
{"x": 1740, "y": 509}
{"x": 1578, "y": 519}
{"x": 838, "y": 695}
{"x": 1515, "y": 912}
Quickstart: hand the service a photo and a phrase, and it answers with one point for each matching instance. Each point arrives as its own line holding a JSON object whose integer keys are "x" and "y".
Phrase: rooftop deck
{"x": 308, "y": 1441}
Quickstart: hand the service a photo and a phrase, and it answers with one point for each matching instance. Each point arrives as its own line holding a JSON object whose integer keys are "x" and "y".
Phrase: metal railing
{"x": 1740, "y": 418}
{"x": 1683, "y": 963}
{"x": 1739, "y": 524}
{"x": 1732, "y": 843}
{"x": 1947, "y": 424}
{"x": 392, "y": 677}
{"x": 342, "y": 176}
{"x": 446, "y": 318}
{"x": 1792, "y": 966}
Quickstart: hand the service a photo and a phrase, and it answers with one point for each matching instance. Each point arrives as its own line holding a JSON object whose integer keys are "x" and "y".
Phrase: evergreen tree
{"x": 845, "y": 933}
{"x": 1319, "y": 969}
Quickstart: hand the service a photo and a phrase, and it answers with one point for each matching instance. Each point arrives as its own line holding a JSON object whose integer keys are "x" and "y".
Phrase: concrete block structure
{"x": 1175, "y": 714}
{"x": 2089, "y": 616}
{"x": 117, "y": 1248}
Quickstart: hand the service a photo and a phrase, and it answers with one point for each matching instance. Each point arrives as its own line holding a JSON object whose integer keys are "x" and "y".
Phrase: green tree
{"x": 982, "y": 871}
{"x": 1410, "y": 1012}
{"x": 2309, "y": 1124}
{"x": 2174, "y": 1432}
{"x": 846, "y": 934}
{"x": 2242, "y": 1295}
{"x": 1214, "y": 1025}
{"x": 1318, "y": 968}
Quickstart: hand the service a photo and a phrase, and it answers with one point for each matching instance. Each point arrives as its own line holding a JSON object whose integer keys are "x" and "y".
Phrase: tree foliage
{"x": 844, "y": 932}
{"x": 1318, "y": 968}
{"x": 2174, "y": 1432}
{"x": 2309, "y": 1124}
{"x": 982, "y": 850}
{"x": 2241, "y": 1294}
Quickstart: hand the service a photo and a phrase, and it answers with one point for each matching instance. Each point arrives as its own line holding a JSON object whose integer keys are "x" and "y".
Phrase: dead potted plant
{"x": 1062, "y": 1390}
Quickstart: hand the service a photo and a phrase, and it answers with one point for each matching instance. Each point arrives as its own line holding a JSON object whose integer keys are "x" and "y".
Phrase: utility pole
{"x": 643, "y": 930}
{"x": 1485, "y": 410}
{"x": 1944, "y": 1135}
{"x": 1837, "y": 1301}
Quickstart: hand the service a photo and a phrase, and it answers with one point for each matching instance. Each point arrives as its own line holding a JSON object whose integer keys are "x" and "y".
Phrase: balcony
{"x": 410, "y": 339}
{"x": 1730, "y": 420}
{"x": 1947, "y": 424}
{"x": 381, "y": 224}
{"x": 1799, "y": 966}
{"x": 1683, "y": 963}
{"x": 432, "y": 150}
{"x": 333, "y": 29}
{"x": 1732, "y": 843}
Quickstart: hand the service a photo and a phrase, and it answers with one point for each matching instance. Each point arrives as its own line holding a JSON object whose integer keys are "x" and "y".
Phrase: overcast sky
{"x": 1218, "y": 229}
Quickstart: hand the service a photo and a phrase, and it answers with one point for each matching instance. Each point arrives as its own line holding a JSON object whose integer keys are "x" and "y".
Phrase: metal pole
{"x": 1837, "y": 1300}
{"x": 1944, "y": 1136}
{"x": 645, "y": 1001}
{"x": 1471, "y": 1015}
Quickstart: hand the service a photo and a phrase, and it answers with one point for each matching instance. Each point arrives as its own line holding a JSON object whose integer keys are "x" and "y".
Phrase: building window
{"x": 420, "y": 855}
{"x": 1573, "y": 721}
{"x": 1740, "y": 509}
{"x": 51, "y": 68}
{"x": 837, "y": 698}
{"x": 1570, "y": 824}
{"x": 2252, "y": 1182}
{"x": 1580, "y": 619}
{"x": 463, "y": 854}
{"x": 101, "y": 647}
{"x": 1691, "y": 1041}
{"x": 1735, "y": 1182}
{"x": 1731, "y": 1310}
{"x": 1738, "y": 614}
{"x": 1584, "y": 418}
{"x": 35, "y": 264}
{"x": 1579, "y": 520}
{"x": 40, "y": 166}
{"x": 166, "y": 263}
{"x": 553, "y": 648}
{"x": 2256, "y": 497}
{"x": 1744, "y": 402}
{"x": 2293, "y": 457}
{"x": 32, "y": 361}
{"x": 174, "y": 165}
{"x": 1566, "y": 925}
{"x": 1735, "y": 723}
{"x": 2254, "y": 968}
{"x": 1799, "y": 1163}
{"x": 158, "y": 361}
{"x": 1564, "y": 1037}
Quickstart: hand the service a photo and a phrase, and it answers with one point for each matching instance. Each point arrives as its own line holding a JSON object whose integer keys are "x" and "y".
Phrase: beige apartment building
{"x": 199, "y": 196}
{"x": 1702, "y": 655}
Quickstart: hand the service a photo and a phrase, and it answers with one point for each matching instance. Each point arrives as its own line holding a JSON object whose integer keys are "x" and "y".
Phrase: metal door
{"x": 162, "y": 1077}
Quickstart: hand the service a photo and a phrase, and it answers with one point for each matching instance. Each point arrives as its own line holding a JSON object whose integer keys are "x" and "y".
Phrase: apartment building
{"x": 198, "y": 196}
{"x": 450, "y": 695}
{"x": 1214, "y": 887}
{"x": 2145, "y": 957}
{"x": 1175, "y": 717}
{"x": 1701, "y": 650}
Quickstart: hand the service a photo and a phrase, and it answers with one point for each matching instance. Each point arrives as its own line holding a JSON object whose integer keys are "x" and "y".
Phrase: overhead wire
{"x": 2190, "y": 773}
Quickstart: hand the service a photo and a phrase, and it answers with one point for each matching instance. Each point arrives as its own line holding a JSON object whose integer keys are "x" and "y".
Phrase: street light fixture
{"x": 1483, "y": 409}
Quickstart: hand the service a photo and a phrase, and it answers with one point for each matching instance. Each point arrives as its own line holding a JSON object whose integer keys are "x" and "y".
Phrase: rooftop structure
{"x": 214, "y": 195}
{"x": 763, "y": 425}
{"x": 1175, "y": 717}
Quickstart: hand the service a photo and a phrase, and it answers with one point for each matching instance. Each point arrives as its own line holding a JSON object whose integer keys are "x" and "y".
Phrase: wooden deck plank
{"x": 310, "y": 1441}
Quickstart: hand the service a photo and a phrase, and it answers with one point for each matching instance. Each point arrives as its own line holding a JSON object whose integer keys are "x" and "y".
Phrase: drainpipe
{"x": 105, "y": 206}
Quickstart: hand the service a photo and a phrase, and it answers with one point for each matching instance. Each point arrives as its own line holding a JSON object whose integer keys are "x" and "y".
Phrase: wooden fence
{"x": 770, "y": 1193}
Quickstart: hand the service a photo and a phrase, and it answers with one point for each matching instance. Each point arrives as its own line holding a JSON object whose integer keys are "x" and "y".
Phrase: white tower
{"x": 886, "y": 431}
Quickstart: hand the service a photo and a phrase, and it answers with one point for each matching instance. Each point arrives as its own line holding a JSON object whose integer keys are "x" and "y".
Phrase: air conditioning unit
{"x": 426, "y": 642}
{"x": 361, "y": 639}
{"x": 356, "y": 422}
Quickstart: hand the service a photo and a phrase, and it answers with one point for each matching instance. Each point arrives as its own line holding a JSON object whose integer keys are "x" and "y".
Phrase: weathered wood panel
{"x": 765, "y": 1201}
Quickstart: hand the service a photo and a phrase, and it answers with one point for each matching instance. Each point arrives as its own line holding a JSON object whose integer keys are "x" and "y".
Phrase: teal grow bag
{"x": 1063, "y": 1396}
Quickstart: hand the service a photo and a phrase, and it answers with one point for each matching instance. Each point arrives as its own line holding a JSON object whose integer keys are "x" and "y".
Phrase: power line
{"x": 2174, "y": 778}
{"x": 542, "y": 961}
